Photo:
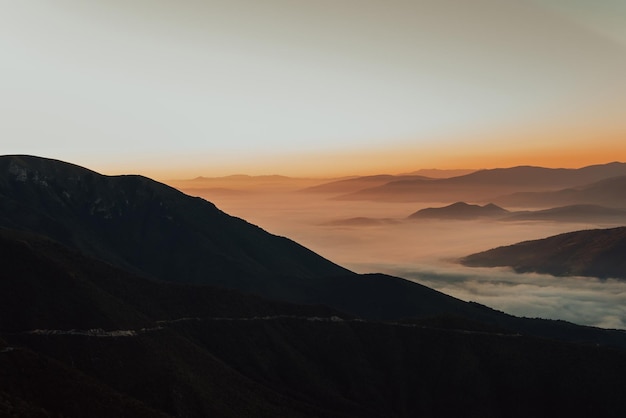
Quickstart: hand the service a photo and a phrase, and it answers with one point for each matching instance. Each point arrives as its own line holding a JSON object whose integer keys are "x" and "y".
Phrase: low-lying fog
{"x": 425, "y": 252}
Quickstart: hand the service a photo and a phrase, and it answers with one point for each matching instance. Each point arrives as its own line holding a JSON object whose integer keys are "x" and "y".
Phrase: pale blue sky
{"x": 218, "y": 87}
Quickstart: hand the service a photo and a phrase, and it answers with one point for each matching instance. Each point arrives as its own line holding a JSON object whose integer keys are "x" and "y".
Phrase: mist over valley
{"x": 387, "y": 236}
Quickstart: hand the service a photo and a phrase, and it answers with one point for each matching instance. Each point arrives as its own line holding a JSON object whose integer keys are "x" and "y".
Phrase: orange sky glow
{"x": 317, "y": 89}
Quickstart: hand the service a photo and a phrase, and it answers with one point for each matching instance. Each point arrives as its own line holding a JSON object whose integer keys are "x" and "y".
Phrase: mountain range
{"x": 606, "y": 192}
{"x": 485, "y": 184}
{"x": 570, "y": 213}
{"x": 120, "y": 296}
{"x": 461, "y": 211}
{"x": 358, "y": 183}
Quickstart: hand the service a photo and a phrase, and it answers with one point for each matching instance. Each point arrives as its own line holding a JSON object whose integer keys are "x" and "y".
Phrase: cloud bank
{"x": 581, "y": 300}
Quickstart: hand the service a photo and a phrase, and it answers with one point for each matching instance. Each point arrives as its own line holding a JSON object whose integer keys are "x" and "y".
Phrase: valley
{"x": 376, "y": 235}
{"x": 119, "y": 293}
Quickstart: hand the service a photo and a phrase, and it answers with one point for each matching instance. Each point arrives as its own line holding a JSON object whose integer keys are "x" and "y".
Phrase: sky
{"x": 177, "y": 89}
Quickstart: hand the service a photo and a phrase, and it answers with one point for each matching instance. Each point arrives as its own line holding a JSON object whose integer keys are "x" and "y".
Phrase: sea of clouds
{"x": 581, "y": 300}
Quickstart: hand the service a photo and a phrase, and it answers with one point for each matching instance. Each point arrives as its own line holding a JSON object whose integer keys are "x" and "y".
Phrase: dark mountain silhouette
{"x": 139, "y": 347}
{"x": 35, "y": 385}
{"x": 596, "y": 253}
{"x": 607, "y": 192}
{"x": 572, "y": 213}
{"x": 460, "y": 210}
{"x": 147, "y": 227}
{"x": 484, "y": 184}
{"x": 155, "y": 231}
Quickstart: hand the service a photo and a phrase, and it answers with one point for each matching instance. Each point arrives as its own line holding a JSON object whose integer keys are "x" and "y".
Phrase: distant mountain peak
{"x": 460, "y": 210}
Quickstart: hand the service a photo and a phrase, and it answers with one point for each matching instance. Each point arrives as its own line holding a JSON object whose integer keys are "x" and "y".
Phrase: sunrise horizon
{"x": 336, "y": 167}
{"x": 305, "y": 89}
{"x": 331, "y": 208}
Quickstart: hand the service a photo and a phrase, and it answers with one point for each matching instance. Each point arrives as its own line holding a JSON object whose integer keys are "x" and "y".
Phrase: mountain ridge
{"x": 484, "y": 184}
{"x": 606, "y": 192}
{"x": 594, "y": 252}
{"x": 74, "y": 308}
{"x": 146, "y": 226}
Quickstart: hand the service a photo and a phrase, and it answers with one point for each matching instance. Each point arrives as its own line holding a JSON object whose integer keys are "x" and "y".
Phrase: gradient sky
{"x": 200, "y": 87}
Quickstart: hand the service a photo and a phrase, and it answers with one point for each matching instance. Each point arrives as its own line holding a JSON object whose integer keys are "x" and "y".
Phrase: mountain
{"x": 151, "y": 230}
{"x": 137, "y": 347}
{"x": 485, "y": 184}
{"x": 595, "y": 253}
{"x": 147, "y": 227}
{"x": 607, "y": 192}
{"x": 571, "y": 213}
{"x": 105, "y": 310}
{"x": 59, "y": 306}
{"x": 460, "y": 210}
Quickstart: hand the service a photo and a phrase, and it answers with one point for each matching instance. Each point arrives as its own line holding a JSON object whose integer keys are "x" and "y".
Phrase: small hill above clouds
{"x": 595, "y": 253}
{"x": 460, "y": 210}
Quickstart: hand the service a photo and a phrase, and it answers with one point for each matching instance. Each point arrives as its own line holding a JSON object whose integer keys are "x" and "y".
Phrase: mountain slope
{"x": 596, "y": 253}
{"x": 46, "y": 285}
{"x": 195, "y": 351}
{"x": 146, "y": 226}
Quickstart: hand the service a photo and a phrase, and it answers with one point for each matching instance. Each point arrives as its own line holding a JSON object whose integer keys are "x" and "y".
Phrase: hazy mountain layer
{"x": 485, "y": 184}
{"x": 358, "y": 183}
{"x": 571, "y": 213}
{"x": 607, "y": 192}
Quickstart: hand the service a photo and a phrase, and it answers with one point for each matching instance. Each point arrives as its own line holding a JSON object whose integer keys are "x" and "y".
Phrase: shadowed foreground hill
{"x": 138, "y": 348}
{"x": 146, "y": 226}
{"x": 83, "y": 321}
{"x": 595, "y": 253}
